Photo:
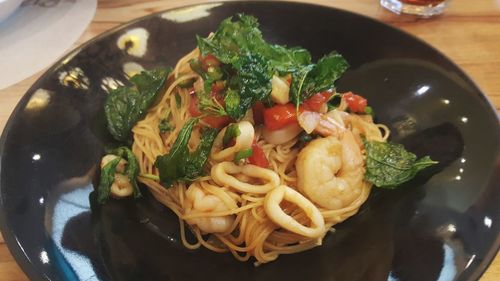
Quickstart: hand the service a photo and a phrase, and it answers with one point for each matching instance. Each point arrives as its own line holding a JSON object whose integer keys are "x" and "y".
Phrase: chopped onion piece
{"x": 309, "y": 120}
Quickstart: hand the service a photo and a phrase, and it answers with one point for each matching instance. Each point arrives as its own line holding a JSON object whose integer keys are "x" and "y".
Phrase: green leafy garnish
{"x": 106, "y": 180}
{"x": 181, "y": 165}
{"x": 164, "y": 126}
{"x": 232, "y": 131}
{"x": 323, "y": 75}
{"x": 389, "y": 164}
{"x": 109, "y": 170}
{"x": 369, "y": 110}
{"x": 254, "y": 83}
{"x": 207, "y": 103}
{"x": 239, "y": 44}
{"x": 243, "y": 154}
{"x": 125, "y": 106}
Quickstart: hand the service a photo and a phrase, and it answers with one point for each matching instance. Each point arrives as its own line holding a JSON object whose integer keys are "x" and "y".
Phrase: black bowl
{"x": 444, "y": 225}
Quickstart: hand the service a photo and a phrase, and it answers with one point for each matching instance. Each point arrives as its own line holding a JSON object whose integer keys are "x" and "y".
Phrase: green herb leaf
{"x": 232, "y": 131}
{"x": 298, "y": 79}
{"x": 181, "y": 165}
{"x": 198, "y": 159}
{"x": 243, "y": 154}
{"x": 207, "y": 103}
{"x": 164, "y": 126}
{"x": 389, "y": 164}
{"x": 239, "y": 44}
{"x": 125, "y": 106}
{"x": 324, "y": 74}
{"x": 232, "y": 101}
{"x": 106, "y": 180}
{"x": 254, "y": 82}
{"x": 109, "y": 170}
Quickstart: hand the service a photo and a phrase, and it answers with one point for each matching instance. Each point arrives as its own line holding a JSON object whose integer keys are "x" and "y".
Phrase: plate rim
{"x": 10, "y": 238}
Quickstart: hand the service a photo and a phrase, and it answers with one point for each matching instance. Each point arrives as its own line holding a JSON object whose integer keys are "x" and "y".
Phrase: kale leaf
{"x": 389, "y": 164}
{"x": 109, "y": 170}
{"x": 181, "y": 165}
{"x": 125, "y": 106}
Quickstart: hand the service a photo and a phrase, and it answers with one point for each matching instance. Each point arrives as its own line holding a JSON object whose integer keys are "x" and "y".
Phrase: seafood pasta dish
{"x": 249, "y": 144}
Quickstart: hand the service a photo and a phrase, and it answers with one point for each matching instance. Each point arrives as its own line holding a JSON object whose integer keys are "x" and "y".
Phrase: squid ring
{"x": 222, "y": 174}
{"x": 277, "y": 215}
{"x": 243, "y": 141}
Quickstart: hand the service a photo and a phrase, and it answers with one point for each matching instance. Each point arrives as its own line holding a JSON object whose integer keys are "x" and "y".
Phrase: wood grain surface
{"x": 468, "y": 33}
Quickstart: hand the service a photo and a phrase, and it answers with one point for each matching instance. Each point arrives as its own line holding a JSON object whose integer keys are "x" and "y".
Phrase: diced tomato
{"x": 280, "y": 116}
{"x": 218, "y": 86}
{"x": 208, "y": 60}
{"x": 258, "y": 113}
{"x": 315, "y": 102}
{"x": 194, "y": 108}
{"x": 258, "y": 157}
{"x": 212, "y": 121}
{"x": 355, "y": 103}
{"x": 216, "y": 121}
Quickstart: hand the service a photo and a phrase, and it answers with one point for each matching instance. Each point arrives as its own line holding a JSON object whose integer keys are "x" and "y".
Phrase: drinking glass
{"x": 424, "y": 8}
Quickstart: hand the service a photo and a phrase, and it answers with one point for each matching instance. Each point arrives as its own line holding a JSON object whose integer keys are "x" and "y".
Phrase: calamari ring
{"x": 222, "y": 174}
{"x": 277, "y": 215}
{"x": 243, "y": 141}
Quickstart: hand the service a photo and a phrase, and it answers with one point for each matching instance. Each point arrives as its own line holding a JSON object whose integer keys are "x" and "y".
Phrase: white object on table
{"x": 7, "y": 7}
{"x": 39, "y": 33}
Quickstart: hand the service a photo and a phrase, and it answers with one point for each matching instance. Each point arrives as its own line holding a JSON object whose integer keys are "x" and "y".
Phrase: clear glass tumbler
{"x": 424, "y": 8}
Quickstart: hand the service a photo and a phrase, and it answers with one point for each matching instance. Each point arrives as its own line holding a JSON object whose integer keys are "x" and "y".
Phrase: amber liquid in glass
{"x": 423, "y": 2}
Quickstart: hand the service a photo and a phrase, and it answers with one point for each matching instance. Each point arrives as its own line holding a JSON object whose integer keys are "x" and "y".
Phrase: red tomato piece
{"x": 258, "y": 113}
{"x": 315, "y": 102}
{"x": 208, "y": 60}
{"x": 194, "y": 108}
{"x": 258, "y": 157}
{"x": 280, "y": 116}
{"x": 216, "y": 121}
{"x": 355, "y": 103}
{"x": 212, "y": 121}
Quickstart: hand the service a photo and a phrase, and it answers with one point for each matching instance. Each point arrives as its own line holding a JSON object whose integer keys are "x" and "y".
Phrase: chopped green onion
{"x": 188, "y": 83}
{"x": 195, "y": 65}
{"x": 214, "y": 72}
{"x": 305, "y": 138}
{"x": 369, "y": 110}
{"x": 164, "y": 126}
{"x": 243, "y": 154}
{"x": 232, "y": 132}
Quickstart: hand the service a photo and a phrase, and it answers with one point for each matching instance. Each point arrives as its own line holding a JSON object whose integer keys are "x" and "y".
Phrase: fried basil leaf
{"x": 389, "y": 164}
{"x": 181, "y": 165}
{"x": 126, "y": 105}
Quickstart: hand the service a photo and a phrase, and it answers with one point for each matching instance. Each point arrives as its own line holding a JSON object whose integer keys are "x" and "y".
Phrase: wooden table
{"x": 468, "y": 33}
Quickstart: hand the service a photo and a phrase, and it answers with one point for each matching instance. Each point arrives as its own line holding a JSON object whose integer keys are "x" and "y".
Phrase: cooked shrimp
{"x": 337, "y": 122}
{"x": 121, "y": 186}
{"x": 197, "y": 201}
{"x": 330, "y": 171}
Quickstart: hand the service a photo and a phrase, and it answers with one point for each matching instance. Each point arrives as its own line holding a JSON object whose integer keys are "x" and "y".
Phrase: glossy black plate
{"x": 444, "y": 225}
